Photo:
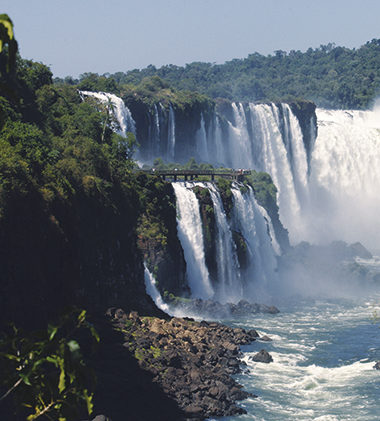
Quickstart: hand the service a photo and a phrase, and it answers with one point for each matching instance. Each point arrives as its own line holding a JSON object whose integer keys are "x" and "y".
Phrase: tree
{"x": 7, "y": 38}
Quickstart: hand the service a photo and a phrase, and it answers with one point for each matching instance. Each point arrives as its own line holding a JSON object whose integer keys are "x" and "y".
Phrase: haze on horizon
{"x": 95, "y": 36}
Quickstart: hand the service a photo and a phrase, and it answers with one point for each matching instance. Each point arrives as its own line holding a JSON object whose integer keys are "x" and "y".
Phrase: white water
{"x": 151, "y": 289}
{"x": 336, "y": 198}
{"x": 191, "y": 237}
{"x": 201, "y": 141}
{"x": 229, "y": 274}
{"x": 345, "y": 178}
{"x": 323, "y": 355}
{"x": 333, "y": 195}
{"x": 248, "y": 218}
{"x": 171, "y": 135}
{"x": 122, "y": 113}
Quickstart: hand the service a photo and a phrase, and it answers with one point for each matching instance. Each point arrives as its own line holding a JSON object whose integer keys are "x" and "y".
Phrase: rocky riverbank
{"x": 191, "y": 361}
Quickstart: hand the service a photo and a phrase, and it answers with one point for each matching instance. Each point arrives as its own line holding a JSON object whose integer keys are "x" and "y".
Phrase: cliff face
{"x": 305, "y": 113}
{"x": 163, "y": 117}
{"x": 81, "y": 253}
{"x": 157, "y": 236}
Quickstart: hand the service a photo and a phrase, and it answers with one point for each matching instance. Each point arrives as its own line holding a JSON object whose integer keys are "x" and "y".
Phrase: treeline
{"x": 330, "y": 76}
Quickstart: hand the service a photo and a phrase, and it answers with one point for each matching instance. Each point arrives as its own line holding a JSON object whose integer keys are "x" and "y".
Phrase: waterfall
{"x": 157, "y": 123}
{"x": 252, "y": 222}
{"x": 229, "y": 277}
{"x": 248, "y": 219}
{"x": 239, "y": 147}
{"x": 171, "y": 135}
{"x": 220, "y": 154}
{"x": 121, "y": 112}
{"x": 326, "y": 192}
{"x": 201, "y": 141}
{"x": 272, "y": 156}
{"x": 191, "y": 237}
{"x": 344, "y": 178}
{"x": 151, "y": 289}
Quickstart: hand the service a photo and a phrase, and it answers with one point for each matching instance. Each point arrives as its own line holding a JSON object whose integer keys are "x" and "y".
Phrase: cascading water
{"x": 121, "y": 112}
{"x": 271, "y": 155}
{"x": 345, "y": 178}
{"x": 229, "y": 276}
{"x": 218, "y": 141}
{"x": 326, "y": 191}
{"x": 332, "y": 194}
{"x": 151, "y": 289}
{"x": 171, "y": 135}
{"x": 239, "y": 142}
{"x": 254, "y": 226}
{"x": 191, "y": 237}
{"x": 201, "y": 141}
{"x": 248, "y": 219}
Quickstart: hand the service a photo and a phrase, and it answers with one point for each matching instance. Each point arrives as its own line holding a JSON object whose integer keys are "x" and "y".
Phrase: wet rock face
{"x": 262, "y": 357}
{"x": 192, "y": 361}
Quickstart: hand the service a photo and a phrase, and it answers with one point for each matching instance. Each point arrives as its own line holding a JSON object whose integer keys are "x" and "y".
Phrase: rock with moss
{"x": 192, "y": 361}
{"x": 157, "y": 235}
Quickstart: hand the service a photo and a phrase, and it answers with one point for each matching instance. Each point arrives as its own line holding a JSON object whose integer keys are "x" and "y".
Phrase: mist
{"x": 344, "y": 180}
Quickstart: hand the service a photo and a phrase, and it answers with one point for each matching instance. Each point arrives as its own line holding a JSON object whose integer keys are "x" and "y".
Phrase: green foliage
{"x": 7, "y": 38}
{"x": 95, "y": 83}
{"x": 57, "y": 144}
{"x": 331, "y": 76}
{"x": 265, "y": 190}
{"x": 225, "y": 186}
{"x": 45, "y": 372}
{"x": 156, "y": 208}
{"x": 204, "y": 193}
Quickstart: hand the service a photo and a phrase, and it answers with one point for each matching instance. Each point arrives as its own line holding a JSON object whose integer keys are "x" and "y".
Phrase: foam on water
{"x": 323, "y": 354}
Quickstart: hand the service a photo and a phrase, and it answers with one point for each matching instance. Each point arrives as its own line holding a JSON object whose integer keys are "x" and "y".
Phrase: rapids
{"x": 324, "y": 352}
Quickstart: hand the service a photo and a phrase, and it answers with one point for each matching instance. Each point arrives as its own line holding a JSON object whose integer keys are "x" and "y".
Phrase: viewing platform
{"x": 189, "y": 175}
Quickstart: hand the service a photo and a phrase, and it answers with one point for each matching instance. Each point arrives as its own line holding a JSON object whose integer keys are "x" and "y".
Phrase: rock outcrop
{"x": 191, "y": 361}
{"x": 262, "y": 357}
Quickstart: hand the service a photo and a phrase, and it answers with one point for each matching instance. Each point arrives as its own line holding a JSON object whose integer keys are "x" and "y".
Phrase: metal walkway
{"x": 235, "y": 175}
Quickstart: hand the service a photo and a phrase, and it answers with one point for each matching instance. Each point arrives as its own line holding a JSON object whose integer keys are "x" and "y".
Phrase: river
{"x": 324, "y": 351}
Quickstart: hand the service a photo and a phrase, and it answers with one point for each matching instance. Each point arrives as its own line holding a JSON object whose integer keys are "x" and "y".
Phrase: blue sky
{"x": 73, "y": 37}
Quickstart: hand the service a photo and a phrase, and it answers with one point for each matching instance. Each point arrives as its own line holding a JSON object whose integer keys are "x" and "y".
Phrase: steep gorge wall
{"x": 81, "y": 253}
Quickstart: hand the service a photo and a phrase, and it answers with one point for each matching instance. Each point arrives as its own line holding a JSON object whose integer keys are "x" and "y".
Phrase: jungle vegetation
{"x": 331, "y": 76}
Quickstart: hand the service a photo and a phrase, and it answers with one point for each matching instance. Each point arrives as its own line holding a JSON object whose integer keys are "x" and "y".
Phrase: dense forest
{"x": 331, "y": 76}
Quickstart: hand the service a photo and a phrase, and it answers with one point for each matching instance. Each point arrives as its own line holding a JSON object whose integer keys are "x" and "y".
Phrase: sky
{"x": 107, "y": 36}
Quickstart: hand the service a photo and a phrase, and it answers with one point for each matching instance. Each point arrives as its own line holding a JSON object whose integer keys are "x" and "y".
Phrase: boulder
{"x": 262, "y": 357}
{"x": 266, "y": 338}
{"x": 192, "y": 361}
